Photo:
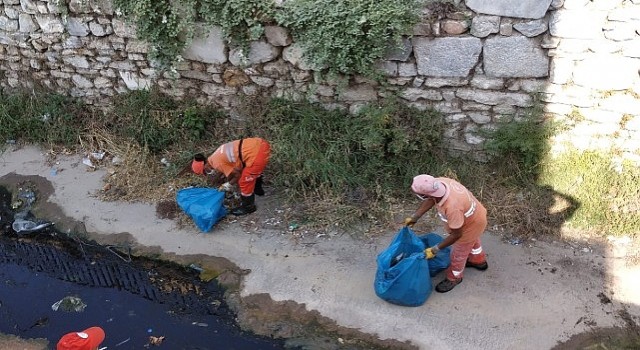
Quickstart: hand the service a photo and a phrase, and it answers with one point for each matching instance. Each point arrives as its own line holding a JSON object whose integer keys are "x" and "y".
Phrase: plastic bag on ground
{"x": 442, "y": 260}
{"x": 402, "y": 276}
{"x": 204, "y": 205}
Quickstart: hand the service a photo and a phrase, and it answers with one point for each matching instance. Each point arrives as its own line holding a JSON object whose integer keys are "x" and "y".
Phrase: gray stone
{"x": 11, "y": 12}
{"x": 77, "y": 27}
{"x": 517, "y": 57}
{"x": 455, "y": 27}
{"x": 8, "y": 25}
{"x": 137, "y": 46}
{"x": 625, "y": 104}
{"x": 446, "y": 57}
{"x": 504, "y": 109}
{"x": 577, "y": 24}
{"x": 76, "y": 61}
{"x": 407, "y": 70}
{"x": 217, "y": 90}
{"x": 104, "y": 7}
{"x": 606, "y": 72}
{"x": 484, "y": 82}
{"x": 27, "y": 25}
{"x": 102, "y": 83}
{"x": 480, "y": 118}
{"x": 29, "y": 6}
{"x": 533, "y": 9}
{"x": 422, "y": 29}
{"x": 617, "y": 31}
{"x": 123, "y": 29}
{"x": 358, "y": 93}
{"x": 262, "y": 81}
{"x": 81, "y": 82}
{"x": 210, "y": 47}
{"x": 79, "y": 6}
{"x": 294, "y": 54}
{"x": 399, "y": 52}
{"x": 259, "y": 52}
{"x": 575, "y": 95}
{"x": 202, "y": 76}
{"x": 50, "y": 24}
{"x": 72, "y": 42}
{"x": 415, "y": 94}
{"x": 442, "y": 82}
{"x": 99, "y": 30}
{"x": 277, "y": 36}
{"x": 531, "y": 28}
{"x": 506, "y": 29}
{"x": 482, "y": 26}
{"x": 134, "y": 82}
{"x": 495, "y": 98}
{"x": 625, "y": 14}
{"x": 389, "y": 68}
{"x": 122, "y": 65}
{"x": 561, "y": 70}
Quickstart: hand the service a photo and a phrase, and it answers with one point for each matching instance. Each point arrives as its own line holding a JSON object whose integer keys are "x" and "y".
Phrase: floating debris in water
{"x": 69, "y": 303}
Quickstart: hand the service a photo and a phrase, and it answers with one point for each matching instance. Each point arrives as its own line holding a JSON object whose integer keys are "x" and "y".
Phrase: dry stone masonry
{"x": 481, "y": 64}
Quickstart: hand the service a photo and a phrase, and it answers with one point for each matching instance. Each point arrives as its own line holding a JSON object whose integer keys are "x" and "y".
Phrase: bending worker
{"x": 465, "y": 219}
{"x": 241, "y": 163}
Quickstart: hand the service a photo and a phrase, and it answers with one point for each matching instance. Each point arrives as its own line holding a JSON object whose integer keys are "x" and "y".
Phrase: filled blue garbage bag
{"x": 204, "y": 205}
{"x": 402, "y": 276}
{"x": 442, "y": 260}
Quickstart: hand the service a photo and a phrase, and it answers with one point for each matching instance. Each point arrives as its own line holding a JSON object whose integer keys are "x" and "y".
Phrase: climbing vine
{"x": 344, "y": 36}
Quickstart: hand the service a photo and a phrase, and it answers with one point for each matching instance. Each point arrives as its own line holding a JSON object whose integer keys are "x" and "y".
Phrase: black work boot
{"x": 247, "y": 206}
{"x": 258, "y": 190}
{"x": 447, "y": 285}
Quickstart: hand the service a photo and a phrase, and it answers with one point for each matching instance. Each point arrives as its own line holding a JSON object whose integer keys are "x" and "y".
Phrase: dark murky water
{"x": 131, "y": 300}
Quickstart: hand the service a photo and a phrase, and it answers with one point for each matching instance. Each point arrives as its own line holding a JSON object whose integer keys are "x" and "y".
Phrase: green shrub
{"x": 377, "y": 151}
{"x": 348, "y": 36}
{"x": 166, "y": 25}
{"x": 160, "y": 123}
{"x": 241, "y": 20}
{"x": 521, "y": 144}
{"x": 49, "y": 119}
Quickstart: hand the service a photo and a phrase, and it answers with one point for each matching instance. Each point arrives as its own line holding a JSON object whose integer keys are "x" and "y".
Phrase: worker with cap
{"x": 89, "y": 339}
{"x": 464, "y": 218}
{"x": 239, "y": 162}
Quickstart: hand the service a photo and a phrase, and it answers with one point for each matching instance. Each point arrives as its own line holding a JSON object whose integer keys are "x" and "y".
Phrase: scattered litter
{"x": 149, "y": 330}
{"x": 98, "y": 155}
{"x": 196, "y": 267}
{"x": 16, "y": 204}
{"x": 69, "y": 303}
{"x": 292, "y": 227}
{"x": 586, "y": 250}
{"x": 45, "y": 117}
{"x": 86, "y": 161}
{"x": 53, "y": 172}
{"x": 200, "y": 324}
{"x": 116, "y": 160}
{"x": 165, "y": 162}
{"x": 124, "y": 341}
{"x": 11, "y": 142}
{"x": 27, "y": 195}
{"x": 27, "y": 226}
{"x": 155, "y": 340}
{"x": 515, "y": 241}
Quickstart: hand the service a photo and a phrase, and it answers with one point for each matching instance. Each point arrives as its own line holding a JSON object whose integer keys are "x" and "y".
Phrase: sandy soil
{"x": 534, "y": 295}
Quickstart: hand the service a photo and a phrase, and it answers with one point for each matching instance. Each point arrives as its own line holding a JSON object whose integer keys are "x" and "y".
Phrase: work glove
{"x": 430, "y": 253}
{"x": 410, "y": 221}
{"x": 225, "y": 187}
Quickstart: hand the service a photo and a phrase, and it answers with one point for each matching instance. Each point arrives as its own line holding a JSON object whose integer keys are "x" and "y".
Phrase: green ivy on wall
{"x": 343, "y": 36}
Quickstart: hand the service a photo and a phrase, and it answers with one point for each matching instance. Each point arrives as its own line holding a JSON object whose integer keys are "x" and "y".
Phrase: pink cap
{"x": 427, "y": 185}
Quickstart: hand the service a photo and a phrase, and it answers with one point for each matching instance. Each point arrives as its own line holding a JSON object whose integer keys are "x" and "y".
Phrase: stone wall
{"x": 480, "y": 64}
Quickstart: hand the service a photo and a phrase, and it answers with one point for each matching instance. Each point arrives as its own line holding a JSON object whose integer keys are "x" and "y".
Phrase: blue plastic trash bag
{"x": 402, "y": 276}
{"x": 442, "y": 260}
{"x": 204, "y": 205}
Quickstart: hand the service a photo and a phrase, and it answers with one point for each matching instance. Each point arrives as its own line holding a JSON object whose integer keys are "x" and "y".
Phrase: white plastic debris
{"x": 98, "y": 155}
{"x": 86, "y": 161}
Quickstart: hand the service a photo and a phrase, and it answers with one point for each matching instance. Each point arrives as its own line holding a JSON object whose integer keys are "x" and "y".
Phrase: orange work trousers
{"x": 250, "y": 174}
{"x": 460, "y": 254}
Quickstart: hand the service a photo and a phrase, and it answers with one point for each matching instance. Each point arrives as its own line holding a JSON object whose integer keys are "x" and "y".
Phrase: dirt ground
{"x": 573, "y": 293}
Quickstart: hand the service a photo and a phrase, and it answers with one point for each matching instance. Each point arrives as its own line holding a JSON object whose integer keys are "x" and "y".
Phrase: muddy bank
{"x": 255, "y": 313}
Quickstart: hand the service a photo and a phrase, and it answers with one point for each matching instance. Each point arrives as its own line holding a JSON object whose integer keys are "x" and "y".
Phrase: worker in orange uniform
{"x": 240, "y": 162}
{"x": 89, "y": 339}
{"x": 465, "y": 219}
